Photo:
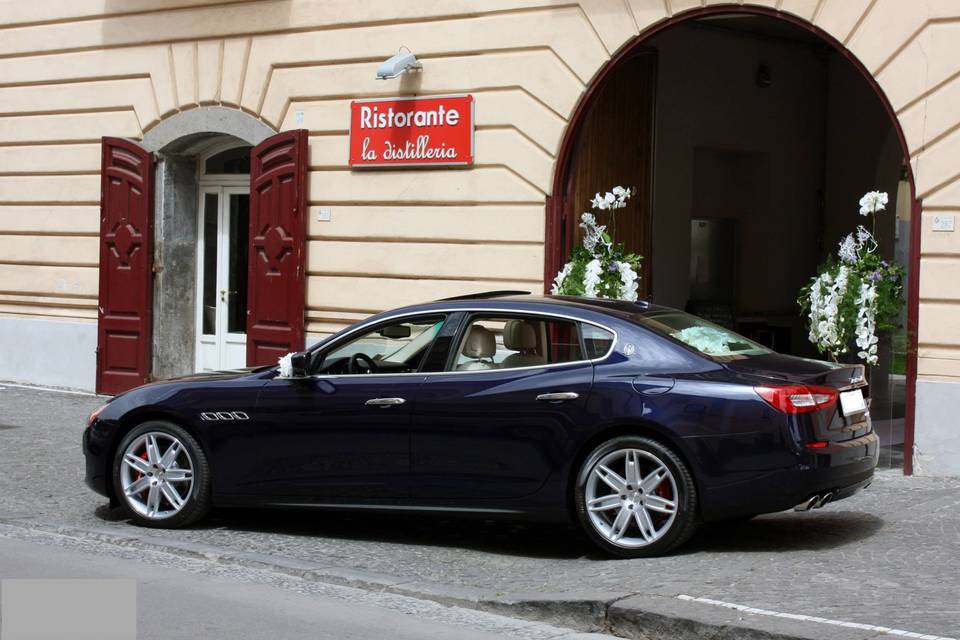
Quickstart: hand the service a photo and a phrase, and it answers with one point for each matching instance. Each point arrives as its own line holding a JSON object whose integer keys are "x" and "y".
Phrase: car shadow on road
{"x": 785, "y": 531}
{"x": 773, "y": 532}
{"x": 533, "y": 540}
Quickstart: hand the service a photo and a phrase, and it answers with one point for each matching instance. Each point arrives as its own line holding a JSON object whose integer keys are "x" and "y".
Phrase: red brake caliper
{"x": 142, "y": 456}
{"x": 663, "y": 490}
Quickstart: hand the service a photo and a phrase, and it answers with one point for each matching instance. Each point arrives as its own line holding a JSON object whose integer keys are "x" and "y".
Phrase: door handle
{"x": 384, "y": 402}
{"x": 560, "y": 396}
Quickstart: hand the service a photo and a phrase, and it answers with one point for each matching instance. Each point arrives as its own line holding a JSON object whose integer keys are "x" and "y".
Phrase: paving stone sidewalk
{"x": 888, "y": 557}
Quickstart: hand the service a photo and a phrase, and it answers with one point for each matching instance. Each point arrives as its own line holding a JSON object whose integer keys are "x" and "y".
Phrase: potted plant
{"x": 855, "y": 295}
{"x": 601, "y": 267}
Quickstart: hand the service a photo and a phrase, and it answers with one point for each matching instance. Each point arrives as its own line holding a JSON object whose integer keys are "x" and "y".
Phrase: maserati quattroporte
{"x": 635, "y": 420}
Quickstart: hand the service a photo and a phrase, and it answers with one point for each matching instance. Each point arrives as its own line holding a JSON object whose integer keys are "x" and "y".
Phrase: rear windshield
{"x": 707, "y": 338}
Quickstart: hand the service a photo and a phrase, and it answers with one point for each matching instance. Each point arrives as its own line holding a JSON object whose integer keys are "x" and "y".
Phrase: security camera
{"x": 397, "y": 64}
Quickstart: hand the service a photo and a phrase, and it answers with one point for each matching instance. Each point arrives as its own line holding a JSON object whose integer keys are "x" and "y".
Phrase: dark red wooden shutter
{"x": 126, "y": 266}
{"x": 278, "y": 209}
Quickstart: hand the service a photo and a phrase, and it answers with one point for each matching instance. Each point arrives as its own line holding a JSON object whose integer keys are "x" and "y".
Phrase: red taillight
{"x": 817, "y": 444}
{"x": 798, "y": 398}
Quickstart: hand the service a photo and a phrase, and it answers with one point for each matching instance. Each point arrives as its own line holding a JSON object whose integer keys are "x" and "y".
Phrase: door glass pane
{"x": 508, "y": 343}
{"x": 239, "y": 241}
{"x": 394, "y": 348}
{"x": 231, "y": 161}
{"x": 209, "y": 273}
{"x": 596, "y": 340}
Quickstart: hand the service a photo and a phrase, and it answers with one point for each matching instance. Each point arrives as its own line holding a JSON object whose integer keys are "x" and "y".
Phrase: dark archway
{"x": 561, "y": 221}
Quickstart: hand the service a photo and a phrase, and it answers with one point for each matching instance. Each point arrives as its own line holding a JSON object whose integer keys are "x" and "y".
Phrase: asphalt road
{"x": 181, "y": 602}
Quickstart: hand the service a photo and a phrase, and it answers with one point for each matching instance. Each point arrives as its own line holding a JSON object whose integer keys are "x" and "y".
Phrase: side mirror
{"x": 301, "y": 364}
{"x": 295, "y": 365}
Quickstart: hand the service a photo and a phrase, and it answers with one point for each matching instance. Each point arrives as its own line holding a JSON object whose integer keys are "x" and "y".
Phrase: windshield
{"x": 422, "y": 335}
{"x": 392, "y": 343}
{"x": 707, "y": 338}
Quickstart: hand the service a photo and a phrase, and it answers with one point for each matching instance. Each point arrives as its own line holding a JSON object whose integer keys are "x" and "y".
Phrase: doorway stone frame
{"x": 177, "y": 142}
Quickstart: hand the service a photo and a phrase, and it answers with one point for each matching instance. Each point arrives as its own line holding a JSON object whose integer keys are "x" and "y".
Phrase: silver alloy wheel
{"x": 156, "y": 475}
{"x": 631, "y": 498}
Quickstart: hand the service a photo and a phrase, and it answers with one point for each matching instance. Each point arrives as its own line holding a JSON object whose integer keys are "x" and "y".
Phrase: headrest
{"x": 519, "y": 335}
{"x": 480, "y": 343}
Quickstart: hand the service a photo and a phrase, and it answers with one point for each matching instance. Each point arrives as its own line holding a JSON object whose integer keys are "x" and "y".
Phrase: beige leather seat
{"x": 480, "y": 346}
{"x": 521, "y": 336}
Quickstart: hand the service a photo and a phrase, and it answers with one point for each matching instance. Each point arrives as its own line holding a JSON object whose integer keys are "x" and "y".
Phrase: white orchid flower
{"x": 591, "y": 278}
{"x": 872, "y": 202}
{"x": 561, "y": 277}
{"x": 628, "y": 282}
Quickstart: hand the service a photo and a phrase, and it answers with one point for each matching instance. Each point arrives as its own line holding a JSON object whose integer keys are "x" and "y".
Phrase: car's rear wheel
{"x": 635, "y": 497}
{"x": 161, "y": 476}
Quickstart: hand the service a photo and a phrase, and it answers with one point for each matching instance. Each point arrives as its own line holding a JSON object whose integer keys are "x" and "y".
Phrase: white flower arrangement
{"x": 857, "y": 296}
{"x": 600, "y": 268}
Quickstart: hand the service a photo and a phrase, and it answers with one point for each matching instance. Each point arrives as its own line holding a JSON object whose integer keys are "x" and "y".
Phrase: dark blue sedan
{"x": 638, "y": 421}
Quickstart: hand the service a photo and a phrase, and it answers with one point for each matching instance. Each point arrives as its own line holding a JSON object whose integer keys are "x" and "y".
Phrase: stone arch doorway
{"x": 721, "y": 168}
{"x": 186, "y": 194}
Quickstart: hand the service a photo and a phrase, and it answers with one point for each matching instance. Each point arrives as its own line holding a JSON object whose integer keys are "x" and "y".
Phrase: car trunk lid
{"x": 784, "y": 369}
{"x": 829, "y": 424}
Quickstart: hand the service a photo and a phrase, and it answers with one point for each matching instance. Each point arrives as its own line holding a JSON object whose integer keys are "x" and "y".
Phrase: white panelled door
{"x": 222, "y": 277}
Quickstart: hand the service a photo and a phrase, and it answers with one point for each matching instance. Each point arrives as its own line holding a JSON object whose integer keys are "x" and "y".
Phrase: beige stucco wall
{"x": 74, "y": 70}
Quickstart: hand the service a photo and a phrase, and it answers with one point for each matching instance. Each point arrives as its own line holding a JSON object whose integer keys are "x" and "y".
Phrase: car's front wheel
{"x": 161, "y": 476}
{"x": 635, "y": 497}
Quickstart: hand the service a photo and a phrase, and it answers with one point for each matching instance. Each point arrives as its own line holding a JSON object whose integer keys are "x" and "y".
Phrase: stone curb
{"x": 641, "y": 617}
{"x": 657, "y": 617}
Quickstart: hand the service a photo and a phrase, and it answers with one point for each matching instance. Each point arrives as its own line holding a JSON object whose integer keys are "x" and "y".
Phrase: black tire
{"x": 684, "y": 522}
{"x": 197, "y": 503}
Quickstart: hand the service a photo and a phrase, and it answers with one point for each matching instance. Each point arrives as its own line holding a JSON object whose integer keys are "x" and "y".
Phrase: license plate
{"x": 852, "y": 402}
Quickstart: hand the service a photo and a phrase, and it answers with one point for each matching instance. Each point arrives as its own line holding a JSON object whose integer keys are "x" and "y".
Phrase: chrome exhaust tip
{"x": 827, "y": 497}
{"x": 808, "y": 504}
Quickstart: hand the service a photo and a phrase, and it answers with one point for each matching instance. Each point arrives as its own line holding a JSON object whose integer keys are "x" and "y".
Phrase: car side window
{"x": 597, "y": 341}
{"x": 397, "y": 347}
{"x": 509, "y": 342}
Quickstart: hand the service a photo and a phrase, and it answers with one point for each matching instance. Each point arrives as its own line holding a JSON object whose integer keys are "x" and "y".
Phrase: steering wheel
{"x": 368, "y": 364}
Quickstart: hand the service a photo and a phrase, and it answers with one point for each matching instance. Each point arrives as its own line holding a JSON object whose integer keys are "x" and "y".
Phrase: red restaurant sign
{"x": 435, "y": 131}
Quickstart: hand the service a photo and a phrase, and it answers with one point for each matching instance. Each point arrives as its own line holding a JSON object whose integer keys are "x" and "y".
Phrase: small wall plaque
{"x": 943, "y": 223}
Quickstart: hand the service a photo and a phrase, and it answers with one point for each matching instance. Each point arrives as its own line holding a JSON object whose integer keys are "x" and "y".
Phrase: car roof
{"x": 512, "y": 301}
